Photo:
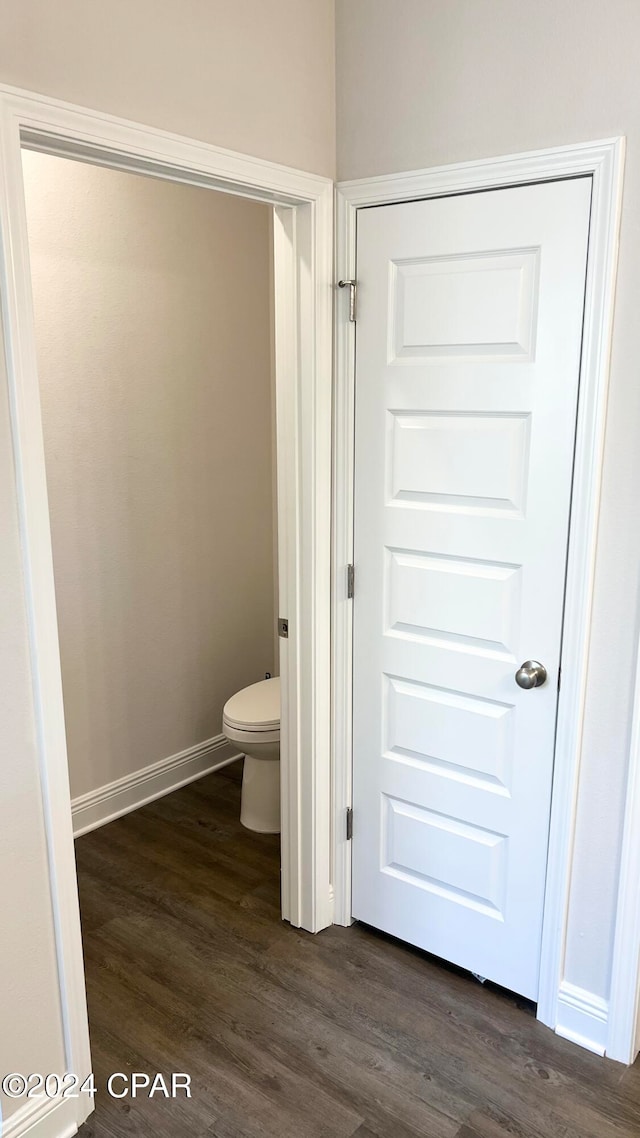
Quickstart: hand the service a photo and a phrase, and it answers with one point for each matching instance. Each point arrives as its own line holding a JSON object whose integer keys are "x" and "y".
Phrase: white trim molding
{"x": 134, "y": 790}
{"x": 582, "y": 1017}
{"x": 603, "y": 162}
{"x": 303, "y": 282}
{"x": 48, "y": 1118}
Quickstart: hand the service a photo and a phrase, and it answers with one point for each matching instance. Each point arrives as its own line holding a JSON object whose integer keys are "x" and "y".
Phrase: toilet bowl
{"x": 251, "y": 720}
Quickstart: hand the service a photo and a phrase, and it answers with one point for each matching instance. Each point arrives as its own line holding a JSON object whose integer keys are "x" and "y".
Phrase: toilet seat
{"x": 253, "y": 714}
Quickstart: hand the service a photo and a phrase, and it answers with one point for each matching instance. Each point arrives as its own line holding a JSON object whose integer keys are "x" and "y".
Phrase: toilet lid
{"x": 255, "y": 707}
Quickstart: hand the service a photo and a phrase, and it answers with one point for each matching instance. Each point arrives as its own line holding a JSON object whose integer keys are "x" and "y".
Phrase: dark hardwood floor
{"x": 347, "y": 1034}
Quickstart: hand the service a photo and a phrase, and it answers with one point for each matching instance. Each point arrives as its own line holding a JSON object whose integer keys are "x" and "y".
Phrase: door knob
{"x": 531, "y": 674}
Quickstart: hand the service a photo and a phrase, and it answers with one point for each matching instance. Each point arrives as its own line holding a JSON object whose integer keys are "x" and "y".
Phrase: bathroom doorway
{"x": 158, "y": 411}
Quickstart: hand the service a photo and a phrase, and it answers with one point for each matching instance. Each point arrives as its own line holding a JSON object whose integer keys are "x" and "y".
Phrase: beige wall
{"x": 247, "y": 75}
{"x": 152, "y": 307}
{"x": 425, "y": 82}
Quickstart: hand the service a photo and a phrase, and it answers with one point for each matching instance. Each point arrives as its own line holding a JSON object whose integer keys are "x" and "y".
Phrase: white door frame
{"x": 604, "y": 162}
{"x": 303, "y": 246}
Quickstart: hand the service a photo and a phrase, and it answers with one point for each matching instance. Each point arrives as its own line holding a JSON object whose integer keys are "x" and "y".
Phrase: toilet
{"x": 251, "y": 720}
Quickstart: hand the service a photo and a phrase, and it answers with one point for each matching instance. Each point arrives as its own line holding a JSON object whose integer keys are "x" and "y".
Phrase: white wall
{"x": 152, "y": 311}
{"x": 427, "y": 82}
{"x": 250, "y": 76}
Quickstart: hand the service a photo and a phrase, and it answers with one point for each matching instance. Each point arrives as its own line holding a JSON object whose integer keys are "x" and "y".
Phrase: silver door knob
{"x": 531, "y": 674}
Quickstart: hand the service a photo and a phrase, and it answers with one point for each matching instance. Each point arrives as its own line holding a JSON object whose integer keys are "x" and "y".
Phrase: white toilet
{"x": 251, "y": 719}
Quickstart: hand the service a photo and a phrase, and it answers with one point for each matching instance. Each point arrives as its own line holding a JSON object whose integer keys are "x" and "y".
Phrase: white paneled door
{"x": 468, "y": 343}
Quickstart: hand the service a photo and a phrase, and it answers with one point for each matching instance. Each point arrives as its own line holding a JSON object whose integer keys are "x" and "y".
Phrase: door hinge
{"x": 559, "y": 677}
{"x": 349, "y": 823}
{"x": 351, "y": 574}
{"x": 283, "y": 628}
{"x": 352, "y": 286}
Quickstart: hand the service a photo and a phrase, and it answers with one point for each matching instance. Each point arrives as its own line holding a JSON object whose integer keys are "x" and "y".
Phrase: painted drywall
{"x": 249, "y": 76}
{"x": 427, "y": 82}
{"x": 152, "y": 315}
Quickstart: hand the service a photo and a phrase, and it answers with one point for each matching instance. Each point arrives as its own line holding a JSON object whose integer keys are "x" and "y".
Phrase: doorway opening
{"x": 158, "y": 412}
{"x": 153, "y": 309}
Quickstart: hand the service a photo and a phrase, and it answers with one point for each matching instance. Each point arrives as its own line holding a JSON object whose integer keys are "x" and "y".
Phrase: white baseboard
{"x": 134, "y": 790}
{"x": 582, "y": 1017}
{"x": 47, "y": 1118}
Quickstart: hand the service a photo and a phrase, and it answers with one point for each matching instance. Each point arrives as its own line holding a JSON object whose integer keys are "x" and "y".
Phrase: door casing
{"x": 303, "y": 247}
{"x": 604, "y": 162}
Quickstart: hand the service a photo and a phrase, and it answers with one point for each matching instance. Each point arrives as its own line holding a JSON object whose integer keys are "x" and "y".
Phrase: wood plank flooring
{"x": 347, "y": 1034}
